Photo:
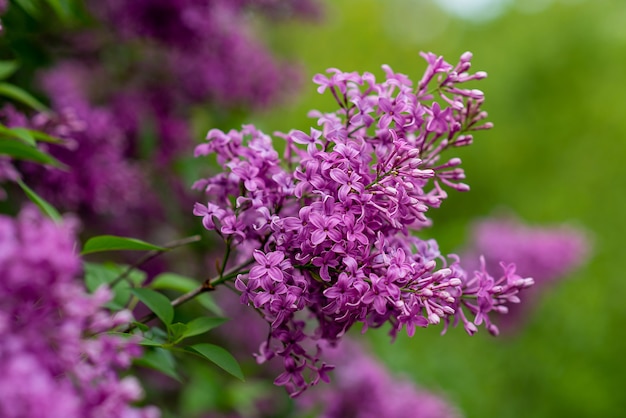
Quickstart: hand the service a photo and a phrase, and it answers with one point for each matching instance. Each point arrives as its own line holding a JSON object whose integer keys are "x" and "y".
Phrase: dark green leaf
{"x": 29, "y": 7}
{"x": 157, "y": 303}
{"x": 161, "y": 360}
{"x": 16, "y": 93}
{"x": 177, "y": 332}
{"x": 97, "y": 275}
{"x": 7, "y": 68}
{"x": 220, "y": 357}
{"x": 44, "y": 206}
{"x": 203, "y": 324}
{"x": 21, "y": 151}
{"x": 114, "y": 243}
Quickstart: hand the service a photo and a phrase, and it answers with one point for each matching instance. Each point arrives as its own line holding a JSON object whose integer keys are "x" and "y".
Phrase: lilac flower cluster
{"x": 545, "y": 253}
{"x": 364, "y": 388}
{"x": 100, "y": 179}
{"x": 51, "y": 367}
{"x": 328, "y": 234}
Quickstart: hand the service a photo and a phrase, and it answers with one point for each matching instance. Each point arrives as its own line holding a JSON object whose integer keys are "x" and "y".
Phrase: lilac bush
{"x": 55, "y": 359}
{"x": 326, "y": 233}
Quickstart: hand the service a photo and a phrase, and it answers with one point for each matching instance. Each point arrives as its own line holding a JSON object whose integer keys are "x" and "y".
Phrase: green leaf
{"x": 150, "y": 343}
{"x": 7, "y": 68}
{"x": 25, "y": 135}
{"x": 157, "y": 303}
{"x": 43, "y": 137}
{"x": 44, "y": 206}
{"x": 16, "y": 93}
{"x": 183, "y": 284}
{"x": 172, "y": 281}
{"x": 220, "y": 357}
{"x": 114, "y": 243}
{"x": 176, "y": 332}
{"x": 29, "y": 7}
{"x": 97, "y": 275}
{"x": 203, "y": 324}
{"x": 161, "y": 360}
{"x": 21, "y": 151}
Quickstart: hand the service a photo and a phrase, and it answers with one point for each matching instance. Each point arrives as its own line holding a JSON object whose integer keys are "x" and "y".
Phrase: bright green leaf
{"x": 16, "y": 93}
{"x": 157, "y": 303}
{"x": 42, "y": 136}
{"x": 172, "y": 281}
{"x": 7, "y": 68}
{"x": 161, "y": 360}
{"x": 44, "y": 206}
{"x": 220, "y": 357}
{"x": 22, "y": 134}
{"x": 21, "y": 151}
{"x": 203, "y": 324}
{"x": 113, "y": 243}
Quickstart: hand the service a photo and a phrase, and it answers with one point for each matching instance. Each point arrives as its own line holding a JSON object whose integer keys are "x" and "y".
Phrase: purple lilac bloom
{"x": 547, "y": 254}
{"x": 100, "y": 179}
{"x": 55, "y": 359}
{"x": 361, "y": 387}
{"x": 339, "y": 214}
{"x": 207, "y": 48}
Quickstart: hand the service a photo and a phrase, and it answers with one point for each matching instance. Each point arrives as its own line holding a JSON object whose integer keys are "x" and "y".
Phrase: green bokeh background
{"x": 555, "y": 92}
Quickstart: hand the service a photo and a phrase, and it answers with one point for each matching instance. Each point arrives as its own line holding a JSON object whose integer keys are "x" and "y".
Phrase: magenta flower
{"x": 330, "y": 231}
{"x": 51, "y": 367}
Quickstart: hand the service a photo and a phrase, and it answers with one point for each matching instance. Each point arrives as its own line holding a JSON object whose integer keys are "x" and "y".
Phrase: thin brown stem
{"x": 152, "y": 254}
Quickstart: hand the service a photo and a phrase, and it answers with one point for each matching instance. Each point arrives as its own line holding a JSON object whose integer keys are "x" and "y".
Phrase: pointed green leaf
{"x": 22, "y": 134}
{"x": 113, "y": 243}
{"x": 203, "y": 324}
{"x": 220, "y": 357}
{"x": 7, "y": 68}
{"x": 44, "y": 206}
{"x": 43, "y": 137}
{"x": 16, "y": 93}
{"x": 21, "y": 151}
{"x": 161, "y": 360}
{"x": 157, "y": 303}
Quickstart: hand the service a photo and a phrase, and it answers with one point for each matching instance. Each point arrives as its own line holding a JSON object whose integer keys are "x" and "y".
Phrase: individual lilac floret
{"x": 361, "y": 387}
{"x": 328, "y": 230}
{"x": 547, "y": 254}
{"x": 51, "y": 367}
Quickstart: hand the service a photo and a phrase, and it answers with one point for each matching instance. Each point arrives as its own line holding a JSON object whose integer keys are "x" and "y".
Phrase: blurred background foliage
{"x": 555, "y": 93}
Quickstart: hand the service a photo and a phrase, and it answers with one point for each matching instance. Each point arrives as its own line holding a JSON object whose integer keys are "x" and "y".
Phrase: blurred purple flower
{"x": 361, "y": 387}
{"x": 547, "y": 254}
{"x": 51, "y": 367}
